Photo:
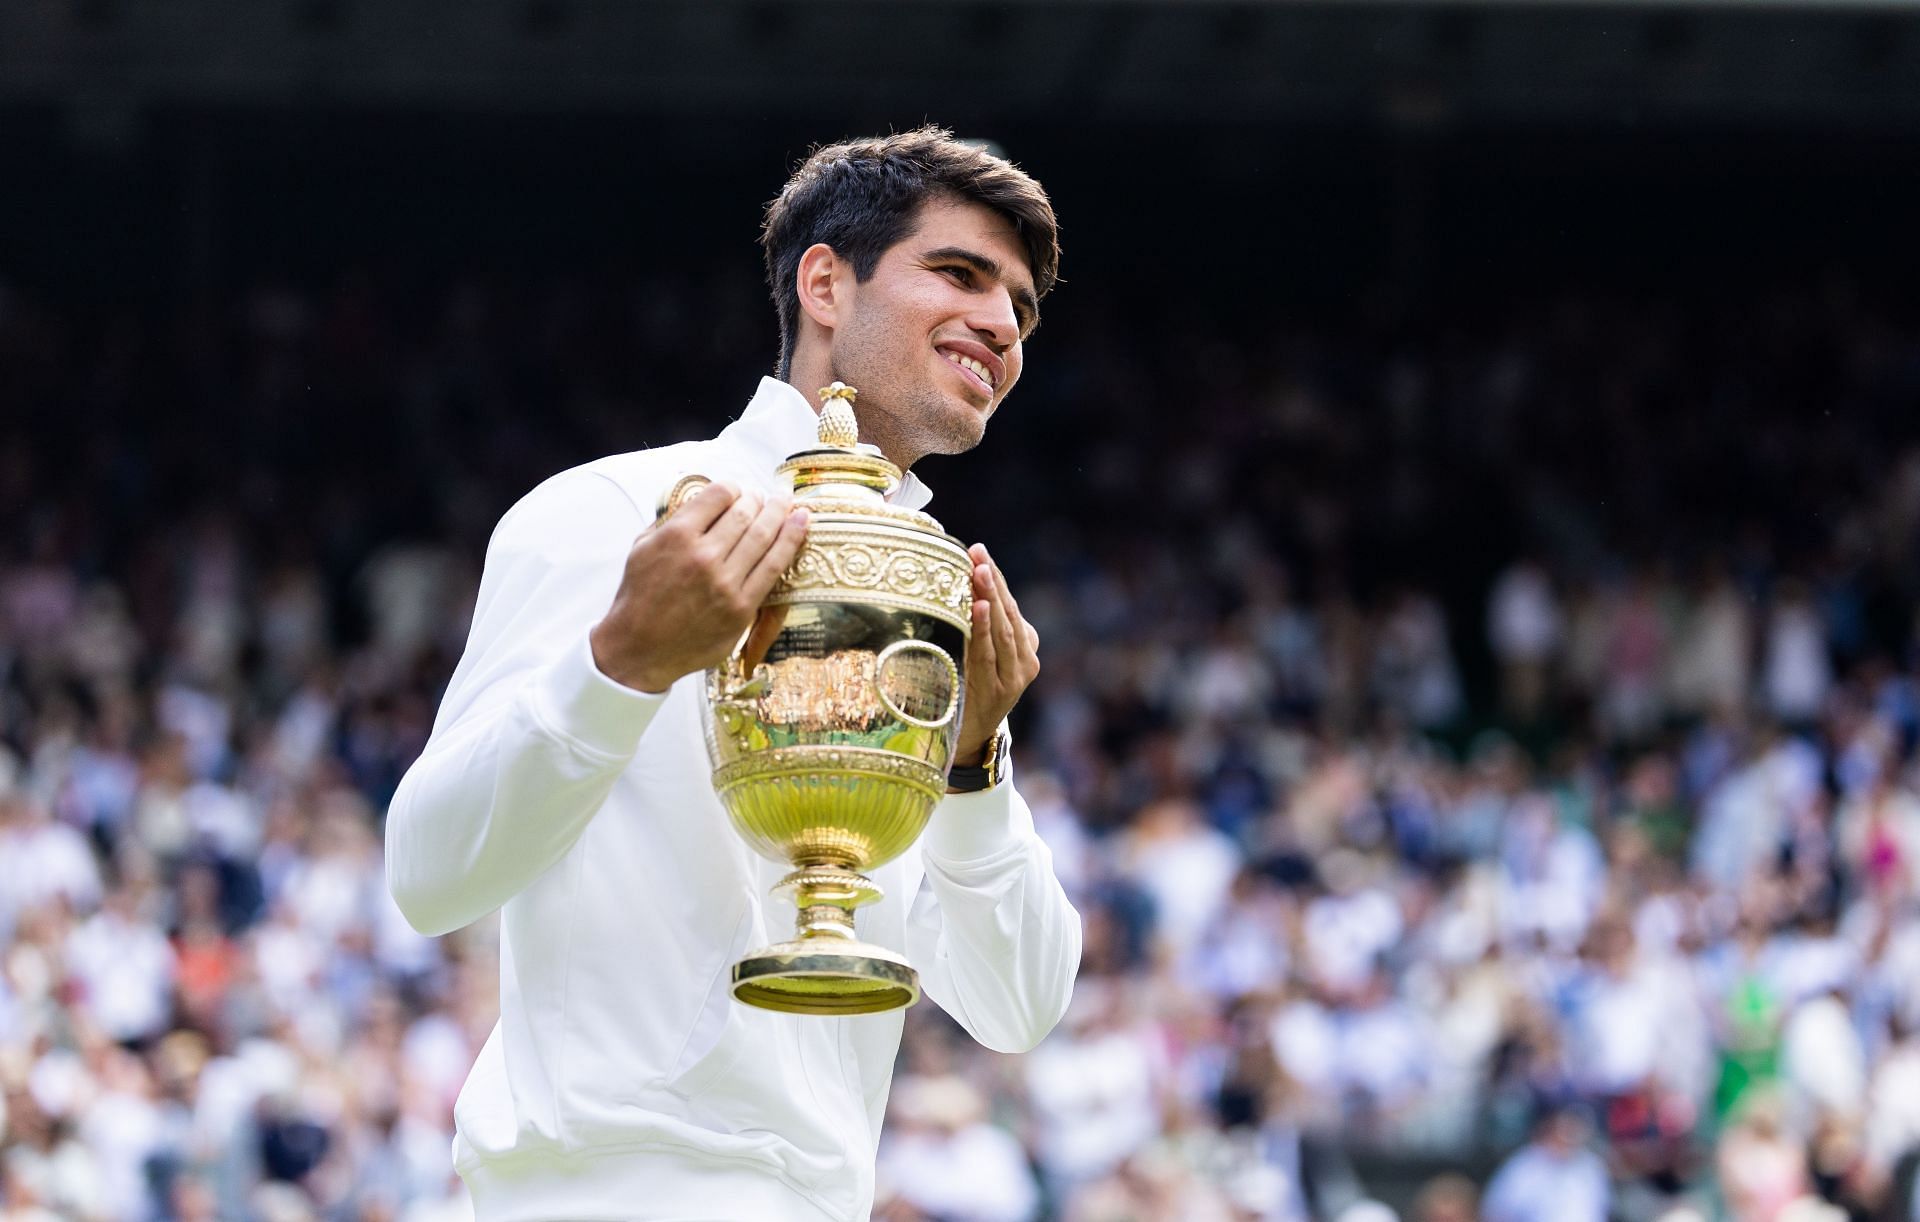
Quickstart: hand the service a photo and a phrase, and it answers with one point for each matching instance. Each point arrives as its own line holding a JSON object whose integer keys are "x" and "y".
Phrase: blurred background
{"x": 1468, "y": 485}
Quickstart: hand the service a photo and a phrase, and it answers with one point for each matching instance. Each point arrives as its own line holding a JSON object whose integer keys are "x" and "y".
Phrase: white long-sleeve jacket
{"x": 623, "y": 1081}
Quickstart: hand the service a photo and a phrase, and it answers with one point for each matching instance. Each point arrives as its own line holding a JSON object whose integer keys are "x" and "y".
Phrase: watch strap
{"x": 987, "y": 773}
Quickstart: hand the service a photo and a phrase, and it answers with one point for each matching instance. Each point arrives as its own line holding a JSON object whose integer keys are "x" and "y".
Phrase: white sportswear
{"x": 622, "y": 1080}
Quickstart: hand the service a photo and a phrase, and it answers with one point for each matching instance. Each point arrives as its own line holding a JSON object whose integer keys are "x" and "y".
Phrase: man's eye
{"x": 961, "y": 275}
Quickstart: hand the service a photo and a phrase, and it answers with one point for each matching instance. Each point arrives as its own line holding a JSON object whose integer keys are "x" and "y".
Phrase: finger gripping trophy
{"x": 832, "y": 726}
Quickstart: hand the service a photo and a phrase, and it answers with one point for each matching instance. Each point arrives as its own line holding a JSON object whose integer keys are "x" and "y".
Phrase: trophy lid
{"x": 841, "y": 466}
{"x": 843, "y": 476}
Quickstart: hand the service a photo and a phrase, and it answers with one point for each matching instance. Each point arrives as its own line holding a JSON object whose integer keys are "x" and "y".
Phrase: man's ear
{"x": 816, "y": 281}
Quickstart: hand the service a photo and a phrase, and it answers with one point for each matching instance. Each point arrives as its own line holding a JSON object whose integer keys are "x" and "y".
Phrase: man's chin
{"x": 963, "y": 430}
{"x": 944, "y": 425}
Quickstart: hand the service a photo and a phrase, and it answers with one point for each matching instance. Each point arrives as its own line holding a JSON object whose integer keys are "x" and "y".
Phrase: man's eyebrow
{"x": 1022, "y": 295}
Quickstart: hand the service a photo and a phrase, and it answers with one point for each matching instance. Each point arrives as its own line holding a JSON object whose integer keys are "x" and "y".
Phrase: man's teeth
{"x": 967, "y": 362}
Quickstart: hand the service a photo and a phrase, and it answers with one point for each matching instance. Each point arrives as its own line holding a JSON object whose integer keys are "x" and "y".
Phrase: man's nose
{"x": 996, "y": 322}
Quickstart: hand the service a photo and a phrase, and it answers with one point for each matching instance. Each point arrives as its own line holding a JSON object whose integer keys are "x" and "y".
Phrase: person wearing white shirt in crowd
{"x": 1798, "y": 668}
{"x": 1349, "y": 928}
{"x": 948, "y": 1161}
{"x": 565, "y": 782}
{"x": 1184, "y": 866}
{"x": 124, "y": 966}
{"x": 1617, "y": 1015}
{"x": 1823, "y": 1062}
{"x": 1524, "y": 629}
{"x": 1553, "y": 1178}
{"x": 41, "y": 861}
{"x": 1385, "y": 1048}
{"x": 1553, "y": 876}
{"x": 1097, "y": 1090}
{"x": 1713, "y": 657}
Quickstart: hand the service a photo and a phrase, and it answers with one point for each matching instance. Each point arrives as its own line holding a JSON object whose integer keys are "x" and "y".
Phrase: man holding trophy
{"x": 723, "y": 692}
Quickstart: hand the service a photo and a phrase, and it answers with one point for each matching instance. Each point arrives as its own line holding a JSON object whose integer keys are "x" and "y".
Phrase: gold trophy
{"x": 832, "y": 726}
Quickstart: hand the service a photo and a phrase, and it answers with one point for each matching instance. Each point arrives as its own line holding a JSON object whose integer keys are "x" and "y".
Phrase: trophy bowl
{"x": 832, "y": 727}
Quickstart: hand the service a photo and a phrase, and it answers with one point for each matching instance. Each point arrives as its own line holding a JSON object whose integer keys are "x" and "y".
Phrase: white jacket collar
{"x": 779, "y": 422}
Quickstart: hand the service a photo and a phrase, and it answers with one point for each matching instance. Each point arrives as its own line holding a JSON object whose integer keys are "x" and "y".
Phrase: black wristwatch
{"x": 984, "y": 775}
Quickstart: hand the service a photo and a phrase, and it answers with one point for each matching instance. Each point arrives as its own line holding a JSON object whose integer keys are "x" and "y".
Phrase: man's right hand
{"x": 693, "y": 583}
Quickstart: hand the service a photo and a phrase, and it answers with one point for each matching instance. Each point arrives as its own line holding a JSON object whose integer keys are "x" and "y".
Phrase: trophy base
{"x": 825, "y": 975}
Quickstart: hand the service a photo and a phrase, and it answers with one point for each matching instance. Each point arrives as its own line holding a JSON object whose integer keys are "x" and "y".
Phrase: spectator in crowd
{"x": 943, "y": 1157}
{"x": 1524, "y": 631}
{"x": 1552, "y": 1177}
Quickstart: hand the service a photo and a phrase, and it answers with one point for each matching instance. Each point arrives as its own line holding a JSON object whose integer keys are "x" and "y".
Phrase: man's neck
{"x": 810, "y": 377}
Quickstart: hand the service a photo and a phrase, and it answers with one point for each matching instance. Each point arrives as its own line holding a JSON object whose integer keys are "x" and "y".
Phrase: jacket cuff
{"x": 576, "y": 702}
{"x": 973, "y": 827}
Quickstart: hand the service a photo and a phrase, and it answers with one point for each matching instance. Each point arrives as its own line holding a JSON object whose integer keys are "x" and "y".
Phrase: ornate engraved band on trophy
{"x": 831, "y": 728}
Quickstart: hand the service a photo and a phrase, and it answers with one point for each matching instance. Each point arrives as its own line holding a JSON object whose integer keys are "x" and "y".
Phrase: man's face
{"x": 932, "y": 340}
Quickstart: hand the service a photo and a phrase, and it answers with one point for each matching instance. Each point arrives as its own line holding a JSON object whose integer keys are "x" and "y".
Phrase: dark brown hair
{"x": 862, "y": 196}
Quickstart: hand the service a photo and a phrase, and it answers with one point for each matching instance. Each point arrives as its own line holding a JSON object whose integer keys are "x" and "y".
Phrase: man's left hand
{"x": 1002, "y": 659}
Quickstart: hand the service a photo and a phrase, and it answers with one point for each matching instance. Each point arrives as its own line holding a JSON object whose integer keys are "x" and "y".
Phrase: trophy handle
{"x": 684, "y": 489}
{"x": 741, "y": 677}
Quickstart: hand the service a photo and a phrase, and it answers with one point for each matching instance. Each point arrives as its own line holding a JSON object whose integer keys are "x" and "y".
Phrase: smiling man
{"x": 566, "y": 782}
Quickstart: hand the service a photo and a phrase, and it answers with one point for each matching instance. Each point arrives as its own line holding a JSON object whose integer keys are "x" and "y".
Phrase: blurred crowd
{"x": 1482, "y": 749}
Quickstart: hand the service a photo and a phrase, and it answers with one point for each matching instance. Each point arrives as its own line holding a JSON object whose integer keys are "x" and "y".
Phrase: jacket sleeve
{"x": 995, "y": 941}
{"x": 530, "y": 736}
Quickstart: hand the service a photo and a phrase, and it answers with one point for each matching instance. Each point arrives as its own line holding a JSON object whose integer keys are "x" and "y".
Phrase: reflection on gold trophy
{"x": 832, "y": 726}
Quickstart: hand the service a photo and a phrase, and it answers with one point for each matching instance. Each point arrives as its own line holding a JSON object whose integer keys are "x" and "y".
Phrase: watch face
{"x": 996, "y": 754}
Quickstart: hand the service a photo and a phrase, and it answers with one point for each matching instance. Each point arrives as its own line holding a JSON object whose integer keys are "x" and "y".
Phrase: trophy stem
{"x": 826, "y": 896}
{"x": 824, "y": 921}
{"x": 826, "y": 969}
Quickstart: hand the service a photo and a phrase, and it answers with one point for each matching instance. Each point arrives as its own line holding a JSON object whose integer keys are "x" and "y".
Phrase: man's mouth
{"x": 976, "y": 370}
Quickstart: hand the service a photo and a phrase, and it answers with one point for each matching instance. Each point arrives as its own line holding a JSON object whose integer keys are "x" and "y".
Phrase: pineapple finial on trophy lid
{"x": 839, "y": 465}
{"x": 838, "y": 428}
